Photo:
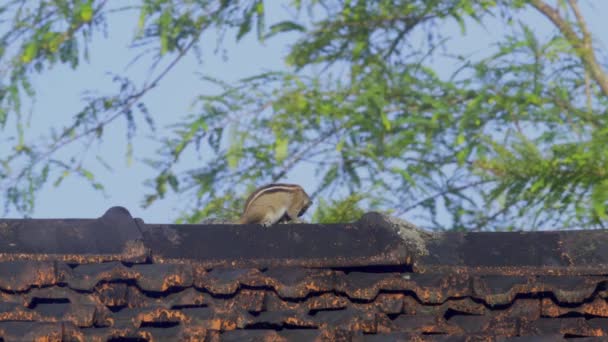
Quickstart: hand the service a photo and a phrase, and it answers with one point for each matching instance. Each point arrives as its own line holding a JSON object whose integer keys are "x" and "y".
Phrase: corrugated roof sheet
{"x": 376, "y": 279}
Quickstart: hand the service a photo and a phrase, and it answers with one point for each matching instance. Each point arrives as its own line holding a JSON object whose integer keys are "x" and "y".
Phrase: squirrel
{"x": 276, "y": 202}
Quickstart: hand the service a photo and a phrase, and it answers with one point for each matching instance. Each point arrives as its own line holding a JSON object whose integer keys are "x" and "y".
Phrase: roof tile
{"x": 366, "y": 281}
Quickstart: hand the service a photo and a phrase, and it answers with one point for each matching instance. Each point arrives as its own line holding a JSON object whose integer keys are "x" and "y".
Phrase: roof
{"x": 118, "y": 278}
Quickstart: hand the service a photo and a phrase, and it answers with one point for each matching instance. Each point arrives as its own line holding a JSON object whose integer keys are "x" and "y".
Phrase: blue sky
{"x": 60, "y": 90}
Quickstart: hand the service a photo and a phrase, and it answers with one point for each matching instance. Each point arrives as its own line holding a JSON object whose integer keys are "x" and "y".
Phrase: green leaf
{"x": 405, "y": 175}
{"x": 143, "y": 13}
{"x": 164, "y": 27}
{"x": 360, "y": 46}
{"x": 385, "y": 121}
{"x": 259, "y": 8}
{"x": 340, "y": 145}
{"x": 284, "y": 26}
{"x": 460, "y": 139}
{"x": 87, "y": 174}
{"x": 462, "y": 155}
{"x": 245, "y": 26}
{"x": 173, "y": 182}
{"x": 599, "y": 199}
{"x": 61, "y": 178}
{"x": 86, "y": 11}
{"x": 281, "y": 148}
{"x": 235, "y": 150}
{"x": 339, "y": 211}
{"x": 29, "y": 53}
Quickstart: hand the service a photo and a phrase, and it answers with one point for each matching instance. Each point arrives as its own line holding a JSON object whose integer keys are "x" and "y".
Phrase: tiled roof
{"x": 117, "y": 278}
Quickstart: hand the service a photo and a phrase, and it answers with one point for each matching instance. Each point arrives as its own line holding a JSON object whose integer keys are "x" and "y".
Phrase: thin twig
{"x": 438, "y": 194}
{"x": 487, "y": 219}
{"x": 299, "y": 155}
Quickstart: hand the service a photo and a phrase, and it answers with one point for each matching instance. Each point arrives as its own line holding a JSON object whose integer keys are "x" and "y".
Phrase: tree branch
{"x": 581, "y": 23}
{"x": 582, "y": 46}
{"x": 129, "y": 103}
{"x": 587, "y": 43}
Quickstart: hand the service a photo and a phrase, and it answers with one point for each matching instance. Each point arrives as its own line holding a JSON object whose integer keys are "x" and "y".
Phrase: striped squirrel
{"x": 276, "y": 202}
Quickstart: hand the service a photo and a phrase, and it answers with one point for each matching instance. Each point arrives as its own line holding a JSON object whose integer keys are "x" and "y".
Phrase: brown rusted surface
{"x": 122, "y": 300}
{"x": 117, "y": 278}
{"x": 22, "y": 275}
{"x": 598, "y": 307}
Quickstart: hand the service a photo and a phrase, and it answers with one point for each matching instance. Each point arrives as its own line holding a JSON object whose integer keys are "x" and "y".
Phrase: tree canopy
{"x": 512, "y": 139}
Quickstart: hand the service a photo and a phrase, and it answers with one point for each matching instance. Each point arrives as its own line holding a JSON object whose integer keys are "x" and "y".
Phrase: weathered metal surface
{"x": 518, "y": 253}
{"x": 114, "y": 236}
{"x": 355, "y": 282}
{"x": 335, "y": 245}
{"x": 374, "y": 240}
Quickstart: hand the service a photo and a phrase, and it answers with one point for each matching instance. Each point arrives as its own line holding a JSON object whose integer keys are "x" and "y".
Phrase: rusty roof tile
{"x": 132, "y": 318}
{"x": 597, "y": 307}
{"x": 154, "y": 278}
{"x": 177, "y": 333}
{"x": 272, "y": 335}
{"x": 187, "y": 298}
{"x": 159, "y": 277}
{"x": 21, "y": 275}
{"x": 56, "y": 294}
{"x": 114, "y": 236}
{"x": 518, "y": 253}
{"x": 332, "y": 301}
{"x": 572, "y": 289}
{"x": 245, "y": 299}
{"x": 294, "y": 283}
{"x": 348, "y": 319}
{"x": 224, "y": 281}
{"x": 504, "y": 322}
{"x": 424, "y": 324}
{"x": 118, "y": 295}
{"x": 299, "y": 283}
{"x": 217, "y": 320}
{"x": 114, "y": 294}
{"x": 575, "y": 326}
{"x": 272, "y": 302}
{"x": 464, "y": 305}
{"x": 291, "y": 282}
{"x": 500, "y": 289}
{"x": 31, "y": 331}
{"x": 293, "y": 319}
{"x": 435, "y": 288}
{"x": 107, "y": 334}
{"x": 365, "y": 286}
{"x": 86, "y": 276}
{"x": 80, "y": 315}
{"x": 370, "y": 241}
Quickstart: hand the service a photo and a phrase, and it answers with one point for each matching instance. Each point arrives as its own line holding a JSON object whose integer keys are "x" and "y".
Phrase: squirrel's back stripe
{"x": 269, "y": 188}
